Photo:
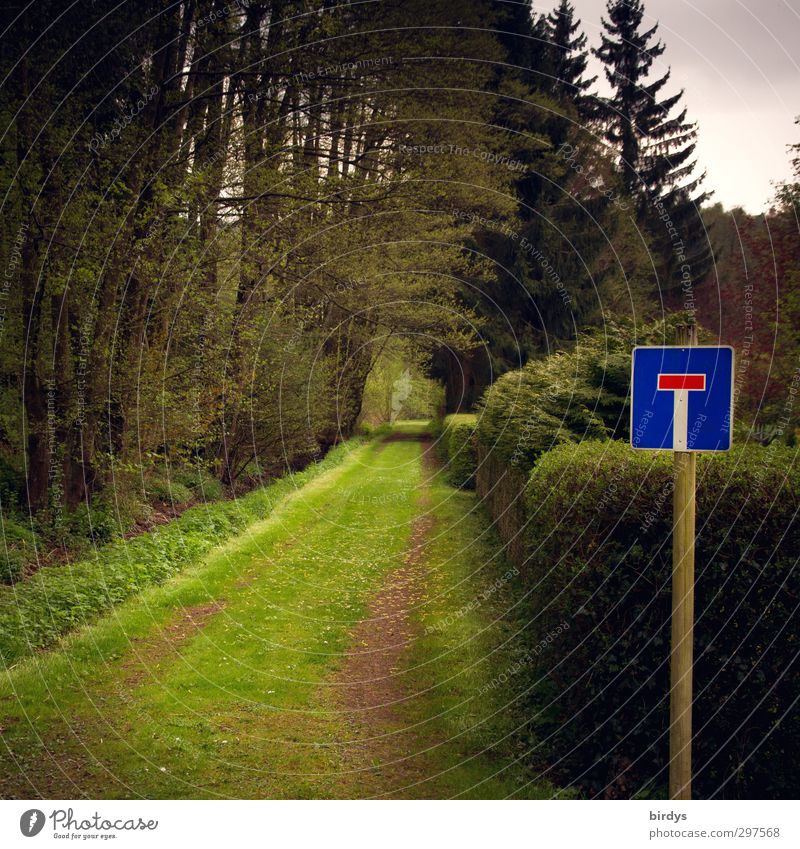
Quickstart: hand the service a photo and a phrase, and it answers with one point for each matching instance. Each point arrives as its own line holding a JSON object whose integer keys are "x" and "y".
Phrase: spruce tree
{"x": 569, "y": 56}
{"x": 549, "y": 272}
{"x": 655, "y": 146}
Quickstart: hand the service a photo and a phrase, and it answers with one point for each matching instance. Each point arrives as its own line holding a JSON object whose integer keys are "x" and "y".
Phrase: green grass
{"x": 468, "y": 640}
{"x": 460, "y": 419}
{"x": 410, "y": 427}
{"x": 141, "y": 703}
{"x": 57, "y": 599}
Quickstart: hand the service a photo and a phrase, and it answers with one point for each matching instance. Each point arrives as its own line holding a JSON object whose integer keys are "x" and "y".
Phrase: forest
{"x": 269, "y": 199}
{"x": 238, "y": 235}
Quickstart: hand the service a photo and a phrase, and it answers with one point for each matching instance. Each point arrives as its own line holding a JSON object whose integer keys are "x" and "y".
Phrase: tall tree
{"x": 570, "y": 57}
{"x": 788, "y": 194}
{"x": 655, "y": 144}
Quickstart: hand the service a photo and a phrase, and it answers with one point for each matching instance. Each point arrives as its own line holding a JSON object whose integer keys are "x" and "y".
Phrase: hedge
{"x": 598, "y": 541}
{"x": 501, "y": 488}
{"x": 458, "y": 449}
{"x": 36, "y": 612}
{"x": 566, "y": 397}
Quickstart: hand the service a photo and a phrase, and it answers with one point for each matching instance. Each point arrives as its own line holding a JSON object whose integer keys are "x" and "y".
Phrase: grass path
{"x": 331, "y": 651}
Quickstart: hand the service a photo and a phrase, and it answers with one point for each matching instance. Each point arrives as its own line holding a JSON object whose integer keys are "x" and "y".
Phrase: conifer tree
{"x": 655, "y": 143}
{"x": 569, "y": 56}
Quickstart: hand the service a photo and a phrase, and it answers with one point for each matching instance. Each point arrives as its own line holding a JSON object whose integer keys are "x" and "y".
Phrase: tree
{"x": 569, "y": 57}
{"x": 570, "y": 250}
{"x": 788, "y": 194}
{"x": 655, "y": 146}
{"x": 222, "y": 218}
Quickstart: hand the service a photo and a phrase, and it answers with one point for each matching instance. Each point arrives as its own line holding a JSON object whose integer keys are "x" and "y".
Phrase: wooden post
{"x": 682, "y": 653}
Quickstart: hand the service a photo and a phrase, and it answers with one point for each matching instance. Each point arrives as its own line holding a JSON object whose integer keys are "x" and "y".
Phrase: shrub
{"x": 501, "y": 488}
{"x": 203, "y": 485}
{"x": 435, "y": 428}
{"x": 566, "y": 397}
{"x": 96, "y": 523}
{"x": 599, "y": 557}
{"x": 12, "y": 483}
{"x": 12, "y": 565}
{"x": 17, "y": 547}
{"x": 458, "y": 448}
{"x": 162, "y": 486}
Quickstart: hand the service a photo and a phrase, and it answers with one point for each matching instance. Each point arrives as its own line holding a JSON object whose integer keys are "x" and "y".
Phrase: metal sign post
{"x": 682, "y": 400}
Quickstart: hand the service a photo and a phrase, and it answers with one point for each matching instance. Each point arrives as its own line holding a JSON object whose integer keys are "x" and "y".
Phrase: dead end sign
{"x": 682, "y": 398}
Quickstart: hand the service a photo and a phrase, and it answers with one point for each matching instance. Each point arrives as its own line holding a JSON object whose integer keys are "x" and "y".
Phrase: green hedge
{"x": 36, "y": 612}
{"x": 566, "y": 397}
{"x": 458, "y": 448}
{"x": 501, "y": 488}
{"x": 599, "y": 557}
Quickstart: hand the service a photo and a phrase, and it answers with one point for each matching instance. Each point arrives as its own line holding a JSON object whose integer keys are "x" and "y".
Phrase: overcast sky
{"x": 739, "y": 62}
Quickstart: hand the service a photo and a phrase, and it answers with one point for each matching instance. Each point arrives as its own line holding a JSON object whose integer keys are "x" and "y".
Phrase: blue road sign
{"x": 682, "y": 398}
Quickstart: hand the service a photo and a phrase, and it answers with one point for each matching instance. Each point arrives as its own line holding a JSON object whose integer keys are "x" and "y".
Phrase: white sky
{"x": 739, "y": 63}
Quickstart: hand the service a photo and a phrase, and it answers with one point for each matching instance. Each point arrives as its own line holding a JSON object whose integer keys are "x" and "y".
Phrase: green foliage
{"x": 656, "y": 145}
{"x": 458, "y": 448}
{"x": 788, "y": 191}
{"x": 434, "y": 429}
{"x": 17, "y": 547}
{"x": 569, "y": 56}
{"x": 568, "y": 396}
{"x": 756, "y": 273}
{"x": 599, "y": 557}
{"x": 12, "y": 482}
{"x": 397, "y": 388}
{"x": 188, "y": 309}
{"x": 12, "y": 565}
{"x": 58, "y": 599}
{"x": 102, "y": 520}
{"x": 163, "y": 487}
{"x": 95, "y": 523}
{"x": 372, "y": 431}
{"x": 199, "y": 481}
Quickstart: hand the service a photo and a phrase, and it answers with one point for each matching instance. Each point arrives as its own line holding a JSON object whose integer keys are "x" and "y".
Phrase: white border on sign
{"x": 684, "y": 348}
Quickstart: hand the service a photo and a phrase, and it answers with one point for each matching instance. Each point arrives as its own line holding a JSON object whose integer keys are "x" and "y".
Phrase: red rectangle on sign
{"x": 681, "y": 381}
